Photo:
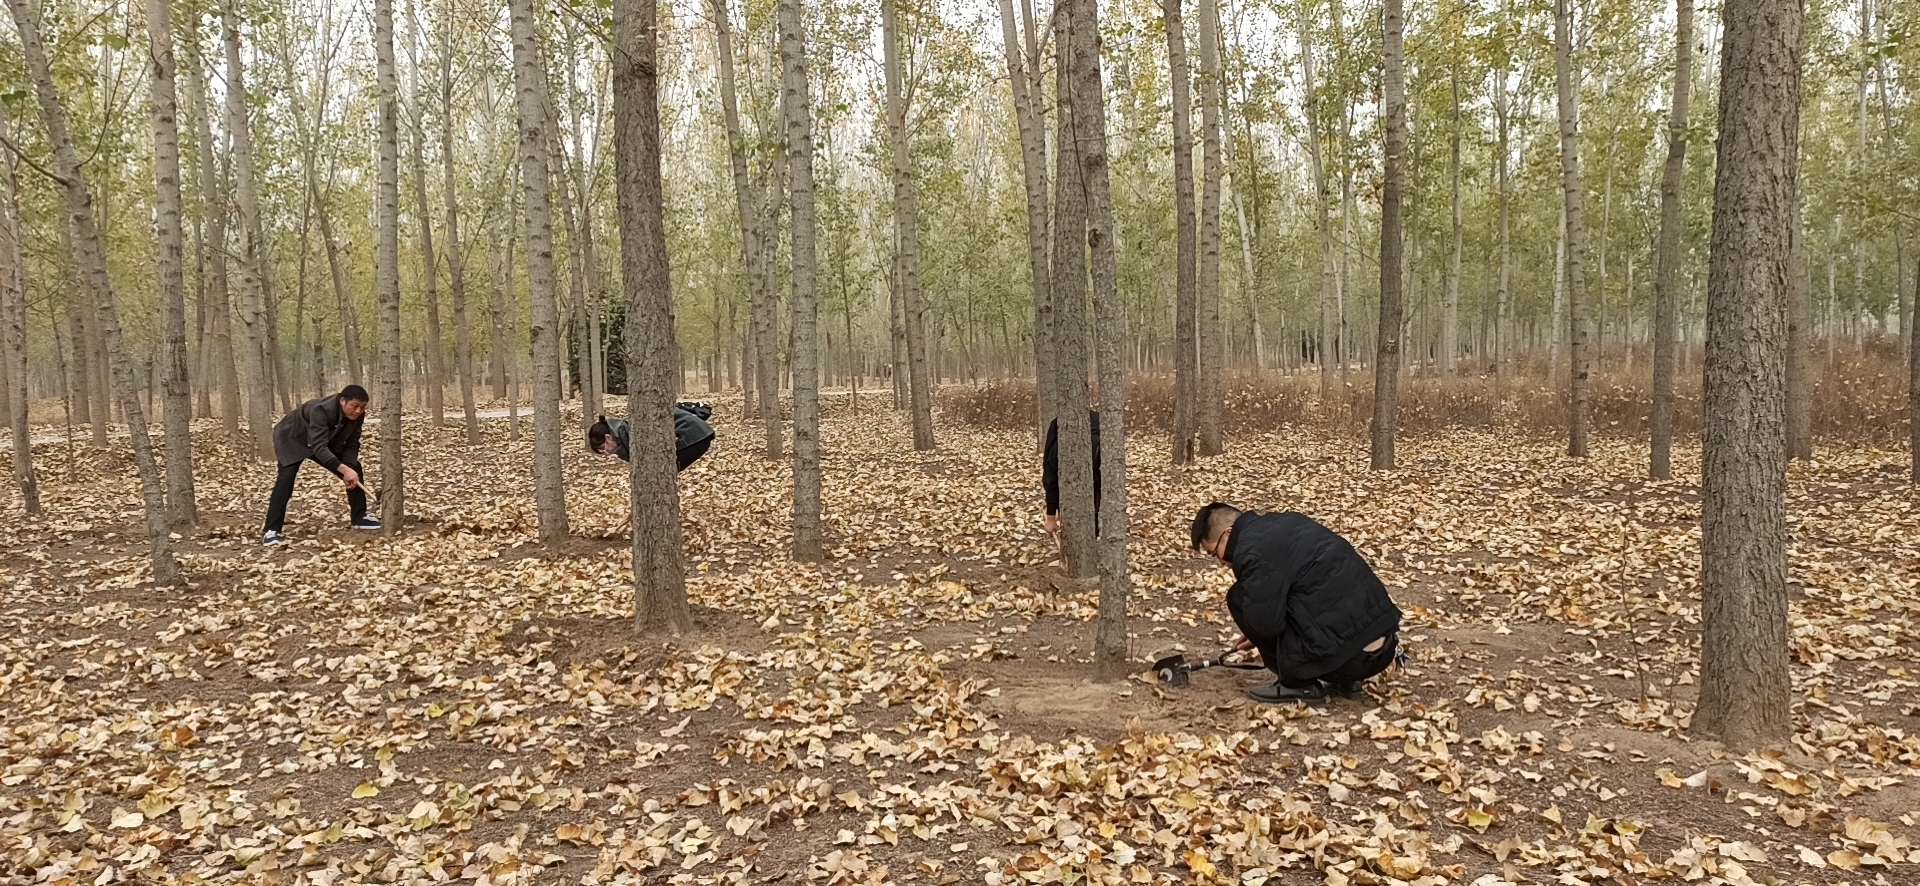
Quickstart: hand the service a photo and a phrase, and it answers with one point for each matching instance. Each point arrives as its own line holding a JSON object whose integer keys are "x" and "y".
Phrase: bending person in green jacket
{"x": 327, "y": 431}
{"x": 1303, "y": 597}
{"x": 692, "y": 436}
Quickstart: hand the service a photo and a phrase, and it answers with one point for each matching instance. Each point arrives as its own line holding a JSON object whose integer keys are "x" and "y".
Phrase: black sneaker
{"x": 367, "y": 523}
{"x": 1278, "y": 694}
{"x": 1355, "y": 690}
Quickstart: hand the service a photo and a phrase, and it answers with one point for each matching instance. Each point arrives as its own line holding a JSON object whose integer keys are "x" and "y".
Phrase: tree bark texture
{"x": 906, "y": 219}
{"x": 1033, "y": 168}
{"x": 386, "y": 272}
{"x": 1211, "y": 343}
{"x": 1069, "y": 286}
{"x": 1186, "y": 301}
{"x": 90, "y": 257}
{"x": 530, "y": 98}
{"x": 805, "y": 351}
{"x": 176, "y": 389}
{"x": 219, "y": 357}
{"x": 1329, "y": 281}
{"x": 1565, "y": 80}
{"x": 456, "y": 260}
{"x": 660, "y": 589}
{"x": 756, "y": 245}
{"x": 1090, "y": 144}
{"x": 429, "y": 260}
{"x": 1744, "y": 684}
{"x": 250, "y": 357}
{"x": 13, "y": 333}
{"x": 1386, "y": 366}
{"x": 1667, "y": 274}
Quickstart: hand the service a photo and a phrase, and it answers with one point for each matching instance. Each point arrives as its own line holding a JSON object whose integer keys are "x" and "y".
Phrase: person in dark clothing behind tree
{"x": 1050, "y": 472}
{"x": 692, "y": 436}
{"x": 1303, "y": 597}
{"x": 326, "y": 430}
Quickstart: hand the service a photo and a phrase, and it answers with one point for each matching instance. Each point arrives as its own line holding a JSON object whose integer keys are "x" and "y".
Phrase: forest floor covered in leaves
{"x": 463, "y": 703}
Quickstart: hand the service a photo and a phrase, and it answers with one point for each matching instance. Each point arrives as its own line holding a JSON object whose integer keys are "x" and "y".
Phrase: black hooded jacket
{"x": 1303, "y": 595}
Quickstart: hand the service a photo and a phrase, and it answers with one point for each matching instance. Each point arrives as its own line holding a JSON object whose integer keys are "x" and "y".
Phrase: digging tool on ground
{"x": 1175, "y": 670}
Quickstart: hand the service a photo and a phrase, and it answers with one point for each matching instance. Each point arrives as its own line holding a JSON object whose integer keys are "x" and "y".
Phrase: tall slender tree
{"x": 218, "y": 358}
{"x": 1033, "y": 169}
{"x": 456, "y": 259}
{"x": 1088, "y": 99}
{"x": 1317, "y": 166}
{"x": 1386, "y": 366}
{"x": 91, "y": 258}
{"x": 906, "y": 221}
{"x": 659, "y": 575}
{"x": 806, "y": 360}
{"x": 178, "y": 403}
{"x": 436, "y": 362}
{"x": 1212, "y": 344}
{"x": 756, "y": 241}
{"x": 1186, "y": 302}
{"x": 1069, "y": 288}
{"x": 530, "y": 97}
{"x": 1567, "y": 82}
{"x": 13, "y": 331}
{"x": 386, "y": 271}
{"x": 252, "y": 356}
{"x": 1745, "y": 691}
{"x": 1667, "y": 274}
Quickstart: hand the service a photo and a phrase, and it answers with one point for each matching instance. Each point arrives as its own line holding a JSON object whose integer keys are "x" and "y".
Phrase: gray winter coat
{"x": 320, "y": 431}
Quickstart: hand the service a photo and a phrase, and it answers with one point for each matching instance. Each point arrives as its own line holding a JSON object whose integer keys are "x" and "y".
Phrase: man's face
{"x": 354, "y": 410}
{"x": 1216, "y": 547}
{"x": 609, "y": 445}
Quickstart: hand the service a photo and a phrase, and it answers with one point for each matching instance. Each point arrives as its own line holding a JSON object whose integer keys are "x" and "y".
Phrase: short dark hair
{"x": 1211, "y": 519}
{"x": 598, "y": 434}
{"x": 354, "y": 392}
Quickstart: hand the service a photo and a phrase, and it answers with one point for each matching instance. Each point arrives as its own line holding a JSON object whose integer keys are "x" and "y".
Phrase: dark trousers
{"x": 283, "y": 493}
{"x": 686, "y": 457}
{"x": 1358, "y": 668}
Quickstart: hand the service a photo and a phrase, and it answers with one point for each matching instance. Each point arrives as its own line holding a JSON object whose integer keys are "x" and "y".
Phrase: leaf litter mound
{"x": 463, "y": 704}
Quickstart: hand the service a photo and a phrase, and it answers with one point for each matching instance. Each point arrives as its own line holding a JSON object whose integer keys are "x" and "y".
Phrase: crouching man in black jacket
{"x": 1303, "y": 597}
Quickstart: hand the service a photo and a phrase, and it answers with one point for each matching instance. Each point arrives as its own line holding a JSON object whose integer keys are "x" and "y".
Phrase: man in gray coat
{"x": 326, "y": 430}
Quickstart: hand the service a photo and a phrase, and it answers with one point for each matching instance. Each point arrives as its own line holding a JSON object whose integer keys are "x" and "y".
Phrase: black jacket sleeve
{"x": 318, "y": 420}
{"x": 349, "y": 449}
{"x": 1050, "y": 467}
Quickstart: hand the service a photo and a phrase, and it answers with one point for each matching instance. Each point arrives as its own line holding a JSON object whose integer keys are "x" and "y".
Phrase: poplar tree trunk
{"x": 429, "y": 260}
{"x": 1033, "y": 168}
{"x": 1576, "y": 229}
{"x": 1069, "y": 287}
{"x": 13, "y": 333}
{"x": 907, "y": 224}
{"x": 456, "y": 259}
{"x": 1667, "y": 274}
{"x": 1186, "y": 302}
{"x": 251, "y": 356}
{"x": 501, "y": 268}
{"x": 178, "y": 393}
{"x": 386, "y": 271}
{"x": 1450, "y": 310}
{"x": 218, "y": 359}
{"x": 756, "y": 246}
{"x": 1386, "y": 365}
{"x": 91, "y": 259}
{"x": 530, "y": 94}
{"x": 1799, "y": 418}
{"x": 1089, "y": 144}
{"x": 1329, "y": 282}
{"x": 1745, "y": 691}
{"x": 660, "y": 590}
{"x": 1503, "y": 315}
{"x": 806, "y": 361}
{"x": 1212, "y": 344}
{"x": 586, "y": 284}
